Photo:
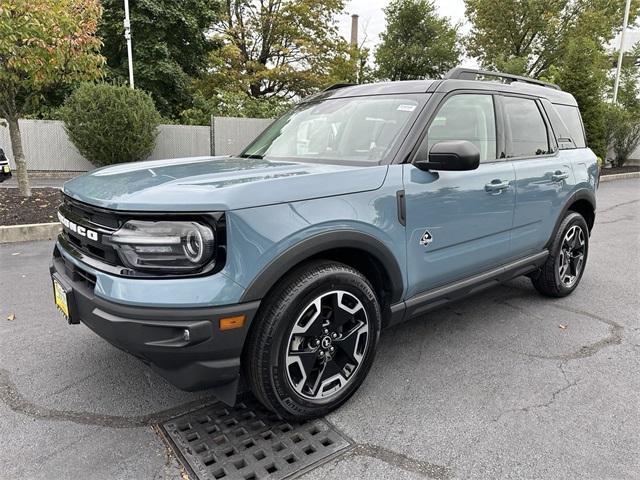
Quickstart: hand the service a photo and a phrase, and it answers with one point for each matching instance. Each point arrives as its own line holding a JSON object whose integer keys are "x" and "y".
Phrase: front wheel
{"x": 563, "y": 269}
{"x": 314, "y": 340}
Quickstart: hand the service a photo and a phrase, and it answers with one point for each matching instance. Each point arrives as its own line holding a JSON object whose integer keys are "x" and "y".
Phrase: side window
{"x": 466, "y": 117}
{"x": 571, "y": 118}
{"x": 525, "y": 128}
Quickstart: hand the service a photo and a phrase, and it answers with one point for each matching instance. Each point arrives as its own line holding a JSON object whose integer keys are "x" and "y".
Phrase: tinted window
{"x": 571, "y": 118}
{"x": 466, "y": 117}
{"x": 344, "y": 129}
{"x": 526, "y": 131}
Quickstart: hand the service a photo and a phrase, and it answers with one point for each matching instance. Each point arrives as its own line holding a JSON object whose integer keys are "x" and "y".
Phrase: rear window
{"x": 526, "y": 130}
{"x": 571, "y": 118}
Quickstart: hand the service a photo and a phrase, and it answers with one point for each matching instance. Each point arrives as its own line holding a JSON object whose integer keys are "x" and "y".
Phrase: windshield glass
{"x": 356, "y": 129}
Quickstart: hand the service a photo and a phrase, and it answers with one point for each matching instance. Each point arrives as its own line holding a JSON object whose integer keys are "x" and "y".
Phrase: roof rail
{"x": 336, "y": 86}
{"x": 461, "y": 73}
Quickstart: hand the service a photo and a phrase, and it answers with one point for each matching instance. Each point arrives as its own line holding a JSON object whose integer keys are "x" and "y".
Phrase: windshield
{"x": 349, "y": 130}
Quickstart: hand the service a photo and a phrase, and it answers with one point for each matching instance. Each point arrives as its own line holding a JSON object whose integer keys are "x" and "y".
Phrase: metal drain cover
{"x": 249, "y": 442}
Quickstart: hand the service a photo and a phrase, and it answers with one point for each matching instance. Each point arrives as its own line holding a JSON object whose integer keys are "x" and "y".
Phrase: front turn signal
{"x": 229, "y": 323}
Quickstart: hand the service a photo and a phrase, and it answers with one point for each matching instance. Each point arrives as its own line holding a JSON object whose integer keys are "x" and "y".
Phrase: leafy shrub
{"x": 623, "y": 133}
{"x": 111, "y": 124}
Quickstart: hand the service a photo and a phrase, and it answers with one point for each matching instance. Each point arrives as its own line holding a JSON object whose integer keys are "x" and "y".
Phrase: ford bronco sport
{"x": 362, "y": 207}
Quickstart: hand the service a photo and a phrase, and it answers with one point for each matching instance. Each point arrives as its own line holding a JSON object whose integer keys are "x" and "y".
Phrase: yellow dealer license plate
{"x": 61, "y": 298}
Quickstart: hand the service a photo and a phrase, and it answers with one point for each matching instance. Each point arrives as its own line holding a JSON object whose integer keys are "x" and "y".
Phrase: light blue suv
{"x": 363, "y": 207}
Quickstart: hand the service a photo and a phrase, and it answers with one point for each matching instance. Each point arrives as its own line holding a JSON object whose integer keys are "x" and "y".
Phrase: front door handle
{"x": 559, "y": 175}
{"x": 496, "y": 186}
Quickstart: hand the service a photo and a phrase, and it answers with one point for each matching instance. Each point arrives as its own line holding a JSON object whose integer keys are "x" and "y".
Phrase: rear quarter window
{"x": 571, "y": 118}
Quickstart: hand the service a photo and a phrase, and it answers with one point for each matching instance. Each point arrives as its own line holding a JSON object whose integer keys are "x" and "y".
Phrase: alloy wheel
{"x": 327, "y": 345}
{"x": 571, "y": 259}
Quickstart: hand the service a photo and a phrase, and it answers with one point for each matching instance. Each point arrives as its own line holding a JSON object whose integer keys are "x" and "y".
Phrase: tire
{"x": 307, "y": 314}
{"x": 553, "y": 279}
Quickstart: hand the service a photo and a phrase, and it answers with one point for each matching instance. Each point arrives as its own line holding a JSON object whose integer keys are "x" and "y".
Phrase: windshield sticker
{"x": 406, "y": 108}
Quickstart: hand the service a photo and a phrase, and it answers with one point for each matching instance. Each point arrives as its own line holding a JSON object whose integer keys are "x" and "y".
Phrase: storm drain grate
{"x": 249, "y": 442}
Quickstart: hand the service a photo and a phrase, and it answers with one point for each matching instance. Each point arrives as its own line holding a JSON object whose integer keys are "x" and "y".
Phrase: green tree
{"x": 417, "y": 43}
{"x": 170, "y": 46}
{"x": 629, "y": 91}
{"x": 111, "y": 124}
{"x": 582, "y": 71}
{"x": 283, "y": 48}
{"x": 528, "y": 37}
{"x": 43, "y": 44}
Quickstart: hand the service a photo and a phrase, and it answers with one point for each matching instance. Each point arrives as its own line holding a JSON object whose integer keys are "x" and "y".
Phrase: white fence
{"x": 48, "y": 148}
{"x": 232, "y": 134}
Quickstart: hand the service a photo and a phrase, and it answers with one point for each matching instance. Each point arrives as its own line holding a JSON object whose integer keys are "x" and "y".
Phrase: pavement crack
{"x": 12, "y": 398}
{"x": 554, "y": 396}
{"x": 614, "y": 336}
{"x": 628, "y": 218}
{"x": 613, "y": 207}
{"x": 399, "y": 460}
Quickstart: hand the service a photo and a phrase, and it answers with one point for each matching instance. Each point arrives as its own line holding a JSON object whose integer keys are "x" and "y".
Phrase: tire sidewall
{"x": 571, "y": 220}
{"x": 287, "y": 397}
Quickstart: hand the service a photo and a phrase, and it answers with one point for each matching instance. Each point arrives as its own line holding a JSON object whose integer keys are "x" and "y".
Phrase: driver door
{"x": 459, "y": 223}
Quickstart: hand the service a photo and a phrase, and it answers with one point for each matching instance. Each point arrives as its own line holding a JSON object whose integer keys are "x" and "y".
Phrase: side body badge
{"x": 426, "y": 238}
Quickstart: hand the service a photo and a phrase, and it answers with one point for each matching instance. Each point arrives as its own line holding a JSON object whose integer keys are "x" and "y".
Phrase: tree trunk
{"x": 18, "y": 156}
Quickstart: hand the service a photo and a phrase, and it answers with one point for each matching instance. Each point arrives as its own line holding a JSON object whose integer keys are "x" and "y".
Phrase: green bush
{"x": 111, "y": 124}
{"x": 622, "y": 132}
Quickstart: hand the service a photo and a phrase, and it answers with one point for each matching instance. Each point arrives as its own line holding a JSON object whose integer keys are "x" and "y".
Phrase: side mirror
{"x": 451, "y": 155}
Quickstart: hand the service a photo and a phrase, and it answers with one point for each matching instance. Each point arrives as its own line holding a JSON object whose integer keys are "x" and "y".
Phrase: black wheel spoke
{"x": 328, "y": 370}
{"x": 307, "y": 359}
{"x": 347, "y": 345}
{"x": 340, "y": 316}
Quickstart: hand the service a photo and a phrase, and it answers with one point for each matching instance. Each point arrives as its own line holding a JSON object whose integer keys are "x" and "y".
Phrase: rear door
{"x": 544, "y": 178}
{"x": 459, "y": 223}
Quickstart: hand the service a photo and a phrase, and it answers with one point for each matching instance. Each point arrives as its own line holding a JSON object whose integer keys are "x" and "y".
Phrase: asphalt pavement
{"x": 506, "y": 384}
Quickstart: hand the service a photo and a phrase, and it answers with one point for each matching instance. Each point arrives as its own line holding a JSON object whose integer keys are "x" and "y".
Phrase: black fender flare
{"x": 582, "y": 194}
{"x": 319, "y": 243}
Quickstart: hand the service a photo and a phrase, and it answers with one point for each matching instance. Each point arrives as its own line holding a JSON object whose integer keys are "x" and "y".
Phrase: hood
{"x": 217, "y": 183}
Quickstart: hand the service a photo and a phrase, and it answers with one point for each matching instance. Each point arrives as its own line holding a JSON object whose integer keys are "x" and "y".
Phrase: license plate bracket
{"x": 63, "y": 297}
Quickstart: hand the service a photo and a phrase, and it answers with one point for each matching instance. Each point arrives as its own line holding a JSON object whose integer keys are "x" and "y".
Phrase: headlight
{"x": 164, "y": 246}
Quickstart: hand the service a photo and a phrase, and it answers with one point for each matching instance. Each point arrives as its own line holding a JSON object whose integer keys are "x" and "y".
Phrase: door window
{"x": 526, "y": 130}
{"x": 468, "y": 117}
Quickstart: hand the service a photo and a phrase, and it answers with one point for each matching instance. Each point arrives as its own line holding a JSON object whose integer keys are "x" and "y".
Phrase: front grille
{"x": 96, "y": 220}
{"x": 75, "y": 273}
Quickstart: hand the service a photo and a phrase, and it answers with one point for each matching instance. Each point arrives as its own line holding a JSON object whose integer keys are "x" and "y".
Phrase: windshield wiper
{"x": 252, "y": 155}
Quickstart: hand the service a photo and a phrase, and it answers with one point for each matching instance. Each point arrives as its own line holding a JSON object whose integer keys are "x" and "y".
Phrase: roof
{"x": 456, "y": 79}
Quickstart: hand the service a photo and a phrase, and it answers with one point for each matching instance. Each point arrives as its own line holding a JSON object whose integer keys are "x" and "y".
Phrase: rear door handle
{"x": 559, "y": 176}
{"x": 496, "y": 186}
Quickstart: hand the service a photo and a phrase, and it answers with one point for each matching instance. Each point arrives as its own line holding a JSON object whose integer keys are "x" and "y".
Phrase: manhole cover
{"x": 249, "y": 442}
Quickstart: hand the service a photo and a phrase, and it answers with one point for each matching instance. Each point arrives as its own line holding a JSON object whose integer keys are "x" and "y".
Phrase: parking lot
{"x": 506, "y": 384}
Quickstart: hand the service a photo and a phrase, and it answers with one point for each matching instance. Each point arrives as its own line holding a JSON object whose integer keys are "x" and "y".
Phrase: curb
{"x": 26, "y": 233}
{"x": 619, "y": 176}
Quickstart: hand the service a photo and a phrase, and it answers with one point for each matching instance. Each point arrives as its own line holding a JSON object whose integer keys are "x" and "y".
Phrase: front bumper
{"x": 206, "y": 357}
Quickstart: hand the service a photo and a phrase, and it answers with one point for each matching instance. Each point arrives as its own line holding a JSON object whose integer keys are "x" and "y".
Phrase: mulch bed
{"x": 615, "y": 170}
{"x": 41, "y": 207}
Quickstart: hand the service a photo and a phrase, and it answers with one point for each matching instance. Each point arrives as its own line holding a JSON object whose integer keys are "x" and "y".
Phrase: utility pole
{"x": 127, "y": 36}
{"x": 621, "y": 52}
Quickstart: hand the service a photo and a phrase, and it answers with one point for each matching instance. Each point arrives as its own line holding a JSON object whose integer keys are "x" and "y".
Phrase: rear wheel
{"x": 314, "y": 340}
{"x": 563, "y": 269}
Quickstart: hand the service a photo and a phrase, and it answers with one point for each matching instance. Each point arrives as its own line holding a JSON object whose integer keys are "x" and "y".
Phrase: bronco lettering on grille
{"x": 79, "y": 229}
